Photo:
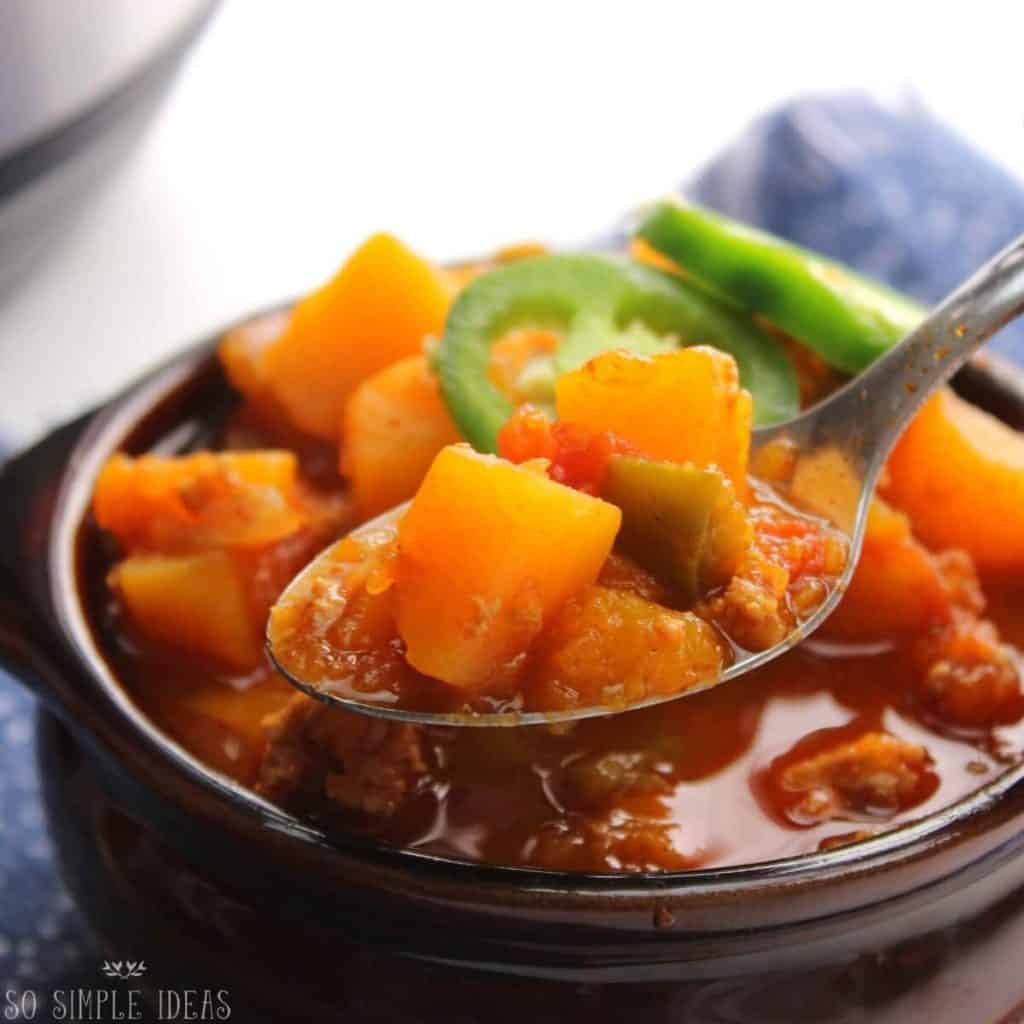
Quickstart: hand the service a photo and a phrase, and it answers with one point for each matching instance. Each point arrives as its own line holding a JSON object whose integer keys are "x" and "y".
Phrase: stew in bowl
{"x": 571, "y": 432}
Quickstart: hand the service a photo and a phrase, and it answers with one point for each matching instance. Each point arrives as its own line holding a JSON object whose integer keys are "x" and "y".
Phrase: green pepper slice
{"x": 601, "y": 302}
{"x": 670, "y": 512}
{"x": 847, "y": 319}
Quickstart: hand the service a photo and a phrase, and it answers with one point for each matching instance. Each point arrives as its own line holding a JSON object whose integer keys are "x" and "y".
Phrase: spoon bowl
{"x": 841, "y": 444}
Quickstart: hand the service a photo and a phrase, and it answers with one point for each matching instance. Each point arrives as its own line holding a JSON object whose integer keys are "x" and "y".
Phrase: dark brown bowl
{"x": 214, "y": 886}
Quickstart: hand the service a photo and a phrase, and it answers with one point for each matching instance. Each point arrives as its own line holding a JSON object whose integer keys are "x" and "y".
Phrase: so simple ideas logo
{"x": 118, "y": 1003}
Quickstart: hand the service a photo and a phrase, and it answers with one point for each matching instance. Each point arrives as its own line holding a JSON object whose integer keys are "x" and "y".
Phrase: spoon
{"x": 842, "y": 444}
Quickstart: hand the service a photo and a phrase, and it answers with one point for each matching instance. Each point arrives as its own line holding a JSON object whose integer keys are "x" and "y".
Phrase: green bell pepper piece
{"x": 677, "y": 521}
{"x": 847, "y": 319}
{"x": 601, "y": 302}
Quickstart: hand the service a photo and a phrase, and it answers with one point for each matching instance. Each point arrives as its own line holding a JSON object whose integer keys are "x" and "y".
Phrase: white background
{"x": 298, "y": 127}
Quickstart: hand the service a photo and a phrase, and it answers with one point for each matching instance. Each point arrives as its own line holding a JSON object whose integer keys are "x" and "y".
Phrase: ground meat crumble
{"x": 364, "y": 764}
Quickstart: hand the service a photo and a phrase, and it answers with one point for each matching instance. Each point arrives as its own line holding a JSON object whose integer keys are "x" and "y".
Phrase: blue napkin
{"x": 894, "y": 193}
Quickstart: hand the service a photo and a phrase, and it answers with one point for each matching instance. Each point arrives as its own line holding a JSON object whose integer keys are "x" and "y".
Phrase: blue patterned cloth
{"x": 42, "y": 941}
{"x": 892, "y": 192}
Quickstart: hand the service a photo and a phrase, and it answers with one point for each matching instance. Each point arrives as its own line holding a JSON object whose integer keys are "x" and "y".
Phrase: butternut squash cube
{"x": 222, "y": 725}
{"x": 395, "y": 424}
{"x": 195, "y": 502}
{"x": 193, "y": 602}
{"x": 683, "y": 406}
{"x": 486, "y": 553}
{"x": 242, "y": 349}
{"x": 959, "y": 474}
{"x": 897, "y": 588}
{"x": 377, "y": 309}
{"x": 613, "y": 647}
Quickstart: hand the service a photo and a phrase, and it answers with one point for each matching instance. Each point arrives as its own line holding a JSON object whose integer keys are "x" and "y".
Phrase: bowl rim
{"x": 111, "y": 427}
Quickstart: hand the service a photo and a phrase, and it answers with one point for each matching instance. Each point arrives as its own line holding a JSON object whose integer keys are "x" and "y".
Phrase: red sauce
{"x": 502, "y": 795}
{"x": 827, "y": 744}
{"x": 717, "y": 748}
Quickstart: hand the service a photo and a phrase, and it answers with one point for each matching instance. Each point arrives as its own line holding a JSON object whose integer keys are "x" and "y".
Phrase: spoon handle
{"x": 904, "y": 378}
{"x": 882, "y": 400}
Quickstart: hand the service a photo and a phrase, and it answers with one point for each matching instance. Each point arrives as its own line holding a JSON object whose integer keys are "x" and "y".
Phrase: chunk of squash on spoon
{"x": 683, "y": 406}
{"x": 958, "y": 472}
{"x": 487, "y": 552}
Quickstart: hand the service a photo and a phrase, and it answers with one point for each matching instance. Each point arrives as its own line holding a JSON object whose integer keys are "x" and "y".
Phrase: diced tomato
{"x": 797, "y": 544}
{"x": 813, "y": 562}
{"x": 785, "y": 527}
{"x": 578, "y": 457}
{"x": 527, "y": 435}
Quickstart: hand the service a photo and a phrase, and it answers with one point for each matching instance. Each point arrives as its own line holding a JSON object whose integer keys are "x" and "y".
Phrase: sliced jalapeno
{"x": 847, "y": 319}
{"x": 599, "y": 303}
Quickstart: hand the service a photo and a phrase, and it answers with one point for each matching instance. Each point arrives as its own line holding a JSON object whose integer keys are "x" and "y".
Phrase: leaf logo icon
{"x": 124, "y": 969}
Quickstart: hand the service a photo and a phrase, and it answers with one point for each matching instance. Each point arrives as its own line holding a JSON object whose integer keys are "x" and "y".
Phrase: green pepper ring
{"x": 549, "y": 291}
{"x": 847, "y": 319}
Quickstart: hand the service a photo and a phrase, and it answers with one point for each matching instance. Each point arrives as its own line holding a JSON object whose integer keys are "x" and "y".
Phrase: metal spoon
{"x": 842, "y": 443}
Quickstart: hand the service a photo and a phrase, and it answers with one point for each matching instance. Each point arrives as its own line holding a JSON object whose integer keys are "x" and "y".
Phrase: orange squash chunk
{"x": 684, "y": 406}
{"x": 241, "y": 352}
{"x": 614, "y": 647}
{"x": 486, "y": 553}
{"x": 395, "y": 424}
{"x": 193, "y": 602}
{"x": 377, "y": 309}
{"x": 197, "y": 502}
{"x": 897, "y": 587}
{"x": 959, "y": 474}
{"x": 223, "y": 725}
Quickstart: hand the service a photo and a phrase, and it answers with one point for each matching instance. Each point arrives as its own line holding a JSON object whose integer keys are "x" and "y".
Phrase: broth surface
{"x": 511, "y": 796}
